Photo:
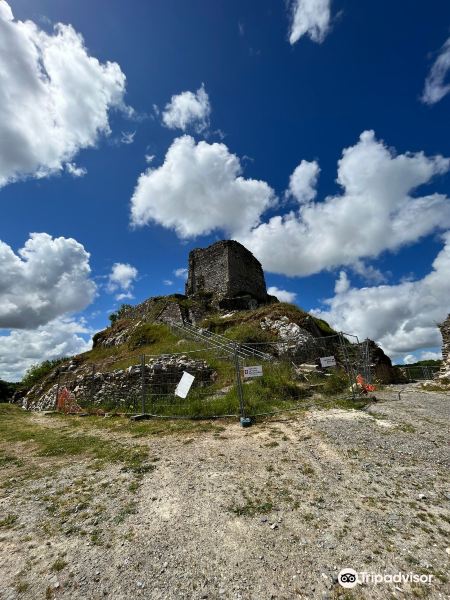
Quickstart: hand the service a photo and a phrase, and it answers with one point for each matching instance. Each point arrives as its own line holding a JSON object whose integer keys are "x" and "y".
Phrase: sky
{"x": 315, "y": 132}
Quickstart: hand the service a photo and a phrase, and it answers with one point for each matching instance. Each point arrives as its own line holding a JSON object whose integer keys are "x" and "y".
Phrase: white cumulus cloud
{"x": 311, "y": 17}
{"x": 54, "y": 97}
{"x": 342, "y": 284}
{"x": 20, "y": 349}
{"x": 402, "y": 318}
{"x": 376, "y": 211}
{"x": 197, "y": 189}
{"x": 188, "y": 109}
{"x": 303, "y": 181}
{"x": 282, "y": 295}
{"x": 46, "y": 279}
{"x": 75, "y": 171}
{"x": 435, "y": 86}
{"x": 122, "y": 277}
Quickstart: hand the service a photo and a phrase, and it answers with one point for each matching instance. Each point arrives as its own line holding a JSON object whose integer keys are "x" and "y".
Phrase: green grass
{"x": 150, "y": 334}
{"x": 59, "y": 565}
{"x": 8, "y": 521}
{"x": 251, "y": 333}
{"x": 407, "y": 428}
{"x": 250, "y": 508}
{"x": 334, "y": 383}
{"x": 22, "y": 586}
{"x": 18, "y": 426}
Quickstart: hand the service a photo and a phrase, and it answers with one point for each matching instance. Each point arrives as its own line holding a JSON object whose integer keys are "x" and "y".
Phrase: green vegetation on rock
{"x": 36, "y": 373}
{"x": 147, "y": 334}
{"x": 120, "y": 313}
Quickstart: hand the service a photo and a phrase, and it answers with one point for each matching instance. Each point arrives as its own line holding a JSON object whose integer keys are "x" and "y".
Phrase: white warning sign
{"x": 184, "y": 385}
{"x": 327, "y": 361}
{"x": 253, "y": 372}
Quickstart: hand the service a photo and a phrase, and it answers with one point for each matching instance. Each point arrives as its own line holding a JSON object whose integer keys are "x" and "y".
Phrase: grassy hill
{"x": 139, "y": 335}
{"x": 137, "y": 331}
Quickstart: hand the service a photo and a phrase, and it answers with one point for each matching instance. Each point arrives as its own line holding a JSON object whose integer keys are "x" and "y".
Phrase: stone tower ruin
{"x": 445, "y": 332}
{"x": 228, "y": 275}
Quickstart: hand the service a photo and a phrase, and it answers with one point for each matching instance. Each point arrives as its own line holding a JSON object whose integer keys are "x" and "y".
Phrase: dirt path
{"x": 273, "y": 511}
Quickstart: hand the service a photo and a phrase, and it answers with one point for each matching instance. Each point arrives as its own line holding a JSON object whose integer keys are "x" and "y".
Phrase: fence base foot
{"x": 245, "y": 421}
{"x": 143, "y": 417}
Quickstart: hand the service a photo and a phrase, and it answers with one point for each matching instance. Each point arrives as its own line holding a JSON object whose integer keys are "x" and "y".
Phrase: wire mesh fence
{"x": 226, "y": 379}
{"x": 419, "y": 372}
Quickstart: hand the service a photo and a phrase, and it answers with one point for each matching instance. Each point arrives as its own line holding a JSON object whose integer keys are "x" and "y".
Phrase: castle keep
{"x": 228, "y": 274}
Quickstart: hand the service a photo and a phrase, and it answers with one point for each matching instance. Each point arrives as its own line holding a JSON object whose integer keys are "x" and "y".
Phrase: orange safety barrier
{"x": 365, "y": 387}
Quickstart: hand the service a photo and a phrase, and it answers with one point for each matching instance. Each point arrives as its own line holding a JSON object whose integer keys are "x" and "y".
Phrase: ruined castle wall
{"x": 445, "y": 332}
{"x": 246, "y": 274}
{"x": 226, "y": 269}
{"x": 208, "y": 271}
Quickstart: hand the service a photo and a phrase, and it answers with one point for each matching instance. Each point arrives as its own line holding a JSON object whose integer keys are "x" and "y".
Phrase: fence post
{"x": 143, "y": 382}
{"x": 349, "y": 366}
{"x": 57, "y": 389}
{"x": 366, "y": 361}
{"x": 240, "y": 391}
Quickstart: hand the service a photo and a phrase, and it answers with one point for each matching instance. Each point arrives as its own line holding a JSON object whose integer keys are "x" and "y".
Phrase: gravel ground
{"x": 274, "y": 511}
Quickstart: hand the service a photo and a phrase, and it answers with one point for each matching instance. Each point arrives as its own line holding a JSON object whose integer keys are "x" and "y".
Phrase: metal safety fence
{"x": 419, "y": 372}
{"x": 220, "y": 379}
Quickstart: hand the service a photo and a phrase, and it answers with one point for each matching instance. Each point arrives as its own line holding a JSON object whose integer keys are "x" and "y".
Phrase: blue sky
{"x": 358, "y": 251}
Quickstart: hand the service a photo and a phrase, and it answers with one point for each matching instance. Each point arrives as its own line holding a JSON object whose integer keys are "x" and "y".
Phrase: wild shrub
{"x": 120, "y": 313}
{"x": 38, "y": 371}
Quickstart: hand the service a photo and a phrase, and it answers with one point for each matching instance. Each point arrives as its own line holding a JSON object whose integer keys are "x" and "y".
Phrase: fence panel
{"x": 419, "y": 372}
{"x": 289, "y": 373}
{"x": 213, "y": 392}
{"x": 294, "y": 374}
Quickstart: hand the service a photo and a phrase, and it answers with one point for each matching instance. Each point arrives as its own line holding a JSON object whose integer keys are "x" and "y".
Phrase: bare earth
{"x": 270, "y": 512}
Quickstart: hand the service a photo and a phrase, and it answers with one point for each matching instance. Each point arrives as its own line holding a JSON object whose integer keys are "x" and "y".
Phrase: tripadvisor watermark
{"x": 349, "y": 578}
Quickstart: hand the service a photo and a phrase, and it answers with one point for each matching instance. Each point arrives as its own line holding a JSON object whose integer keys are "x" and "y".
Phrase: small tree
{"x": 119, "y": 314}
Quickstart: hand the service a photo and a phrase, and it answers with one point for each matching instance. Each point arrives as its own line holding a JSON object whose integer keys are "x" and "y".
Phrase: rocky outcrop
{"x": 291, "y": 336}
{"x": 381, "y": 365}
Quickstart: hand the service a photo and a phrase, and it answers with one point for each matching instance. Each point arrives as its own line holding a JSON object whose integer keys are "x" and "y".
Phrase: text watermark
{"x": 349, "y": 578}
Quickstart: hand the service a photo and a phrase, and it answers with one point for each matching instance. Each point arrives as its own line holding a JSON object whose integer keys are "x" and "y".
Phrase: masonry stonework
{"x": 445, "y": 332}
{"x": 228, "y": 273}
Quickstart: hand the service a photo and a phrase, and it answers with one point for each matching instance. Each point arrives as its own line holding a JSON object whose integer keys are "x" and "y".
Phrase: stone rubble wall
{"x": 120, "y": 386}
